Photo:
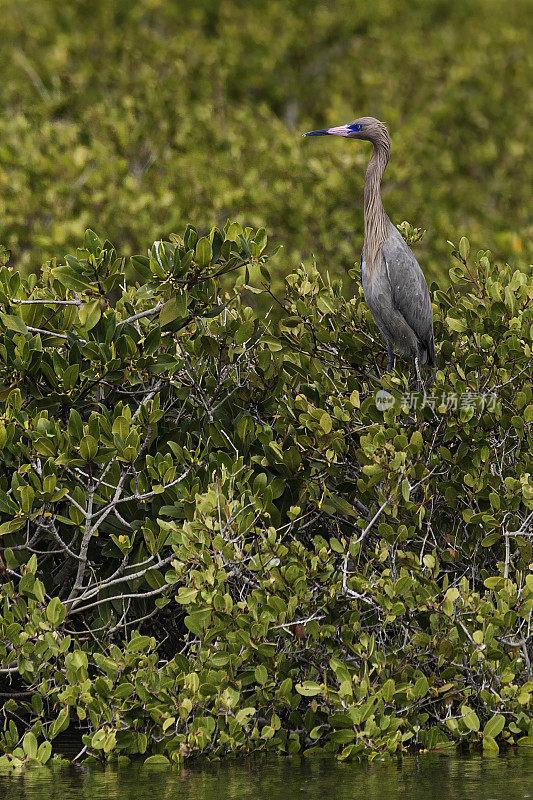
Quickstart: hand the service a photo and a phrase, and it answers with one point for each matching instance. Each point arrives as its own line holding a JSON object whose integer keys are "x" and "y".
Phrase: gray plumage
{"x": 398, "y": 297}
{"x": 393, "y": 283}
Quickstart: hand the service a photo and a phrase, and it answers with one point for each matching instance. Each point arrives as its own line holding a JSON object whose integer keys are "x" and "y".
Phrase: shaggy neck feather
{"x": 376, "y": 220}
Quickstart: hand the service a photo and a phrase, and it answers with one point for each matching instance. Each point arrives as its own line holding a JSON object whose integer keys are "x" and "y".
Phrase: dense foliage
{"x": 224, "y": 531}
{"x": 143, "y": 115}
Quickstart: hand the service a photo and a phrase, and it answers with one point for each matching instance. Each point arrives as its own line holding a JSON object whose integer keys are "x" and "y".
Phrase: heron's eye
{"x": 355, "y": 127}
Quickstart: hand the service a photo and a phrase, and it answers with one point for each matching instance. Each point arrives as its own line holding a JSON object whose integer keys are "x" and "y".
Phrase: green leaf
{"x": 91, "y": 242}
{"x": 139, "y": 644}
{"x": 88, "y": 447}
{"x": 71, "y": 279}
{"x": 141, "y": 264}
{"x": 121, "y": 426}
{"x": 197, "y": 621}
{"x": 470, "y": 718}
{"x": 156, "y": 760}
{"x": 292, "y": 460}
{"x": 490, "y": 539}
{"x": 98, "y": 739}
{"x": 75, "y": 425}
{"x": 243, "y": 333}
{"x": 27, "y": 495}
{"x": 490, "y": 745}
{"x": 421, "y": 687}
{"x": 203, "y": 252}
{"x": 13, "y": 322}
{"x": 326, "y": 422}
{"x": 124, "y": 690}
{"x": 29, "y": 745}
{"x": 308, "y": 688}
{"x": 233, "y": 232}
{"x": 186, "y": 595}
{"x": 55, "y": 612}
{"x": 174, "y": 309}
{"x": 44, "y": 752}
{"x": 190, "y": 237}
{"x": 246, "y": 429}
{"x": 7, "y": 506}
{"x": 260, "y": 240}
{"x": 464, "y": 247}
{"x": 89, "y": 314}
{"x": 456, "y": 324}
{"x": 60, "y": 724}
{"x": 494, "y": 726}
{"x": 261, "y": 674}
{"x": 339, "y": 504}
{"x": 12, "y": 525}
{"x": 388, "y": 689}
{"x": 325, "y": 304}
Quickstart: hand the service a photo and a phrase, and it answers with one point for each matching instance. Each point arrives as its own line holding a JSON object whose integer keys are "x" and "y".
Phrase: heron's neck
{"x": 376, "y": 220}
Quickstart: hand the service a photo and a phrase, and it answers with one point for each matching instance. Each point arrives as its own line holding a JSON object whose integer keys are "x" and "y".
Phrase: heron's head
{"x": 368, "y": 128}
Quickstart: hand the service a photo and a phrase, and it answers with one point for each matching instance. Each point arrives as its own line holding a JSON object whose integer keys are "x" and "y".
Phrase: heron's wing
{"x": 410, "y": 294}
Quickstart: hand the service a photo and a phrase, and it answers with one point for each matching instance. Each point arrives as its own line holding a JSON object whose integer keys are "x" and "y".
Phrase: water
{"x": 427, "y": 777}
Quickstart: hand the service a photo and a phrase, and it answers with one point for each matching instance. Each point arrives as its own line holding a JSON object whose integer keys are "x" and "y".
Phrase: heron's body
{"x": 393, "y": 283}
{"x": 398, "y": 297}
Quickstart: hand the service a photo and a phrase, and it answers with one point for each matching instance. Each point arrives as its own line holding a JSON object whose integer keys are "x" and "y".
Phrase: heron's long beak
{"x": 341, "y": 130}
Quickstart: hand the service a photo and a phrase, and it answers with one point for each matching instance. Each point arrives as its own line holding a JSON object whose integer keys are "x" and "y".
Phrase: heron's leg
{"x": 418, "y": 375}
{"x": 432, "y": 376}
{"x": 390, "y": 358}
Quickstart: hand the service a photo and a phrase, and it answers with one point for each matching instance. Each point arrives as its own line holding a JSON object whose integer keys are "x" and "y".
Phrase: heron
{"x": 393, "y": 283}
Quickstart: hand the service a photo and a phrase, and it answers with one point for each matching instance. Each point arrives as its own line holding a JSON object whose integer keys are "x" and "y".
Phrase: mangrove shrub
{"x": 225, "y": 531}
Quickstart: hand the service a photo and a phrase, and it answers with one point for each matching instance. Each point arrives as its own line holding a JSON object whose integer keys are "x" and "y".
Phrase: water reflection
{"x": 426, "y": 777}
